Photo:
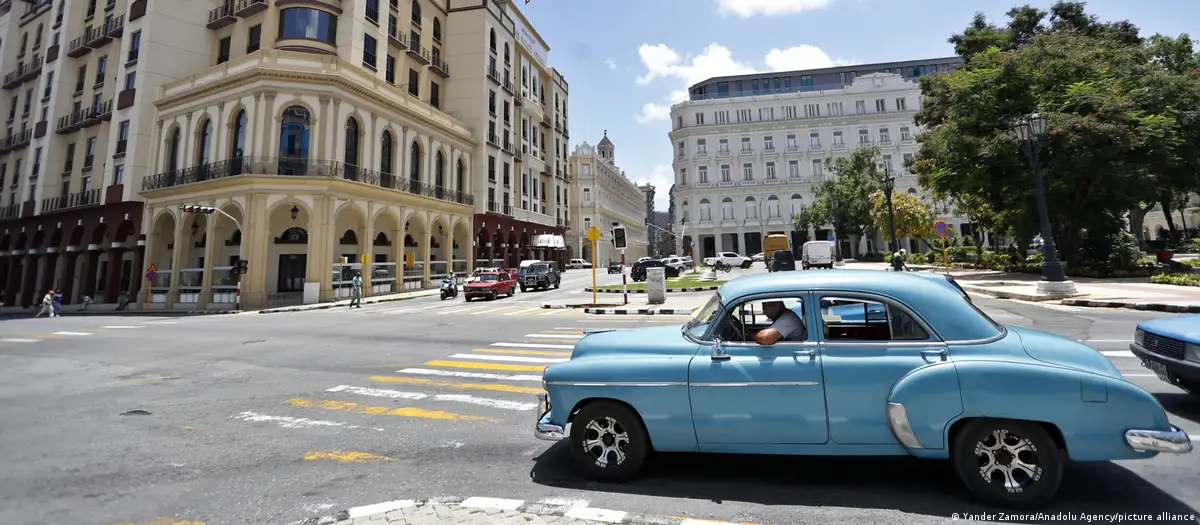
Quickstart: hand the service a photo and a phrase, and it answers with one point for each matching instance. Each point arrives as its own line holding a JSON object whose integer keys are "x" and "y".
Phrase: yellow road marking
{"x": 539, "y": 311}
{"x": 47, "y": 336}
{"x": 522, "y": 352}
{"x": 346, "y": 406}
{"x": 468, "y": 386}
{"x": 487, "y": 366}
{"x": 188, "y": 427}
{"x": 345, "y": 456}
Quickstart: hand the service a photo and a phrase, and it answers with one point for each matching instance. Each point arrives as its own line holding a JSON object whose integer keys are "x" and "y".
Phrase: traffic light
{"x": 193, "y": 208}
{"x": 619, "y": 237}
{"x": 242, "y": 266}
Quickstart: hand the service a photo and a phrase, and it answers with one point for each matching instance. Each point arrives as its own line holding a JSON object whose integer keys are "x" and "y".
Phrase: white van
{"x": 817, "y": 254}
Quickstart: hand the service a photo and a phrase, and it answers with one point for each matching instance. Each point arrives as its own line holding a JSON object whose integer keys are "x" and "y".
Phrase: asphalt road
{"x": 274, "y": 418}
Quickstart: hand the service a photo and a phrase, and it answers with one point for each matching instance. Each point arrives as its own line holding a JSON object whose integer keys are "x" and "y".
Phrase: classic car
{"x": 874, "y": 364}
{"x": 490, "y": 285}
{"x": 1170, "y": 347}
{"x": 541, "y": 275}
{"x": 615, "y": 267}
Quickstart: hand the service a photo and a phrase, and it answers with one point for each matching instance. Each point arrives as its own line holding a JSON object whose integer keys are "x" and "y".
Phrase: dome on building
{"x": 604, "y": 141}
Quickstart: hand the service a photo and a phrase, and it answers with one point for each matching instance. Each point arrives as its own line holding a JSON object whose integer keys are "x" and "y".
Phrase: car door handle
{"x": 938, "y": 353}
{"x": 809, "y": 353}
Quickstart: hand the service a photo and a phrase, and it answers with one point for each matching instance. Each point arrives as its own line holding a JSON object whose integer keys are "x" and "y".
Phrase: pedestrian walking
{"x": 57, "y": 303}
{"x": 47, "y": 305}
{"x": 356, "y": 291}
{"x": 83, "y": 303}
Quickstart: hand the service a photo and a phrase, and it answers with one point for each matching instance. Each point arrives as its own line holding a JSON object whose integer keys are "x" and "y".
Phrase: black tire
{"x": 467, "y": 299}
{"x": 976, "y": 447}
{"x": 556, "y": 285}
{"x": 511, "y": 291}
{"x": 493, "y": 296}
{"x": 522, "y": 288}
{"x": 611, "y": 424}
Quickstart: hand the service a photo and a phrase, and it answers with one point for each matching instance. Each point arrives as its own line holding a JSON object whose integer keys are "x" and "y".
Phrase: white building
{"x": 604, "y": 196}
{"x": 749, "y": 150}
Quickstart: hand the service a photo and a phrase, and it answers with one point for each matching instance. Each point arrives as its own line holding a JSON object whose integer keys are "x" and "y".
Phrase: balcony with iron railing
{"x": 222, "y": 16}
{"x": 115, "y": 27}
{"x": 398, "y": 38}
{"x": 546, "y": 122}
{"x": 16, "y": 142}
{"x": 10, "y": 212}
{"x": 439, "y": 66}
{"x": 249, "y": 8}
{"x": 301, "y": 167}
{"x": 507, "y": 85}
{"x": 419, "y": 54}
{"x": 25, "y": 71}
{"x": 493, "y": 75}
{"x": 74, "y": 200}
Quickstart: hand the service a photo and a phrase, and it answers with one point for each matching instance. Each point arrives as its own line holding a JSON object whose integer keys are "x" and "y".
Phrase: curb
{"x": 1000, "y": 294}
{"x": 326, "y": 306}
{"x": 669, "y": 290}
{"x": 1154, "y": 307}
{"x": 501, "y": 509}
{"x": 638, "y": 311}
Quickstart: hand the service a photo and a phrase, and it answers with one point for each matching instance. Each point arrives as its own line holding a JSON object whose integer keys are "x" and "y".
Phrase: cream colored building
{"x": 606, "y": 196}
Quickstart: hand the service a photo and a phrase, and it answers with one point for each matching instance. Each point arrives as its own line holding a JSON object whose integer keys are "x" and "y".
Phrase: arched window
{"x": 24, "y": 42}
{"x": 437, "y": 29}
{"x": 414, "y": 161}
{"x": 352, "y": 148}
{"x": 386, "y": 156}
{"x": 238, "y": 144}
{"x": 294, "y": 130}
{"x": 173, "y": 150}
{"x": 727, "y": 208}
{"x": 797, "y": 203}
{"x": 751, "y": 208}
{"x": 37, "y": 37}
{"x": 492, "y": 39}
{"x": 772, "y": 206}
{"x": 416, "y": 12}
{"x": 705, "y": 212}
{"x": 506, "y": 60}
{"x": 460, "y": 183}
{"x": 439, "y": 171}
{"x": 204, "y": 142}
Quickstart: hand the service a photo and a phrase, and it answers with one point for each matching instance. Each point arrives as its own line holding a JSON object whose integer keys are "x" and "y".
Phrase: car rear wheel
{"x": 522, "y": 288}
{"x": 511, "y": 291}
{"x": 493, "y": 295}
{"x": 608, "y": 442}
{"x": 1014, "y": 464}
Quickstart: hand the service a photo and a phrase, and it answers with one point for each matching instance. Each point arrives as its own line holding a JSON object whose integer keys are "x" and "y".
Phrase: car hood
{"x": 1185, "y": 327}
{"x": 658, "y": 340}
{"x": 482, "y": 284}
{"x": 1062, "y": 351}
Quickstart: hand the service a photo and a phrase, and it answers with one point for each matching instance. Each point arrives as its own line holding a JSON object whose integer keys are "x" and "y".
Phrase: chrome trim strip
{"x": 618, "y": 383}
{"x": 764, "y": 383}
{"x": 780, "y": 344}
{"x": 903, "y": 344}
{"x": 1172, "y": 441}
{"x": 546, "y": 431}
{"x": 898, "y": 420}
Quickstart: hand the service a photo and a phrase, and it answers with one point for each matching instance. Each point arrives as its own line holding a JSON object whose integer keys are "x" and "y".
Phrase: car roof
{"x": 926, "y": 293}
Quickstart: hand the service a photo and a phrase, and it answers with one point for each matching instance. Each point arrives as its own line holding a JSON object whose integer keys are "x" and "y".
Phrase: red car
{"x": 490, "y": 285}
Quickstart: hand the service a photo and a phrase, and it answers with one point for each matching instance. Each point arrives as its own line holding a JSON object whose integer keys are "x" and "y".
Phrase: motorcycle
{"x": 449, "y": 289}
{"x": 721, "y": 266}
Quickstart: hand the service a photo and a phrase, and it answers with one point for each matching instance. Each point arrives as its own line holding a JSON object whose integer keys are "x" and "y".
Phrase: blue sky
{"x": 627, "y": 60}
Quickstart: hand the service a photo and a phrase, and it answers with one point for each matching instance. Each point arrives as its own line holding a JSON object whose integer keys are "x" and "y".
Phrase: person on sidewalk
{"x": 83, "y": 303}
{"x": 47, "y": 305}
{"x": 356, "y": 291}
{"x": 57, "y": 303}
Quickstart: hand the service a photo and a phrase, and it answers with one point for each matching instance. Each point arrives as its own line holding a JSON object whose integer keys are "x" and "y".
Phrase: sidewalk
{"x": 1132, "y": 293}
{"x": 492, "y": 511}
{"x": 679, "y": 303}
{"x": 385, "y": 298}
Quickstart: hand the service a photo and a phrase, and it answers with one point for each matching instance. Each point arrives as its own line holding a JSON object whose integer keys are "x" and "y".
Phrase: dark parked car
{"x": 781, "y": 261}
{"x": 638, "y": 271}
{"x": 614, "y": 267}
{"x": 541, "y": 276}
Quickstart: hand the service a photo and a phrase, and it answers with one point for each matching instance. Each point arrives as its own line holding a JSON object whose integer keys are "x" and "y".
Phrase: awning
{"x": 549, "y": 241}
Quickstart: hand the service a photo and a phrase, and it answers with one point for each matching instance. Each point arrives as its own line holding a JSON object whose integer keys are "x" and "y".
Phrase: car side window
{"x": 854, "y": 319}
{"x": 745, "y": 321}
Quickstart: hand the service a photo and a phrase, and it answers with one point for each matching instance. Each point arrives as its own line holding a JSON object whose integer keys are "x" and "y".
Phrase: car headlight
{"x": 1139, "y": 337}
{"x": 1191, "y": 352}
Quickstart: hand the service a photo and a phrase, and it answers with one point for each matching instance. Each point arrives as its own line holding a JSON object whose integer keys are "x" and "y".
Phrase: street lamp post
{"x": 889, "y": 184}
{"x": 837, "y": 242}
{"x": 1054, "y": 279}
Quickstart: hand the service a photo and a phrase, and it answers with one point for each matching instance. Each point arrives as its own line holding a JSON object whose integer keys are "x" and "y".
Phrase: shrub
{"x": 1178, "y": 279}
{"x": 1124, "y": 252}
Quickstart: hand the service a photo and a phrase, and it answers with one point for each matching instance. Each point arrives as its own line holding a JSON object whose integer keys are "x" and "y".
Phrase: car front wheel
{"x": 608, "y": 442}
{"x": 1013, "y": 464}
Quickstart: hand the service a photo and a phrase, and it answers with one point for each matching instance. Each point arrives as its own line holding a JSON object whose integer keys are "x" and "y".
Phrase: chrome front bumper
{"x": 1172, "y": 441}
{"x": 546, "y": 430}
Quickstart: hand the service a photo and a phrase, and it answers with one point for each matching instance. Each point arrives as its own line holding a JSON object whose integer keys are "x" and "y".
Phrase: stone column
{"x": 318, "y": 146}
{"x": 71, "y": 259}
{"x": 210, "y": 252}
{"x": 367, "y": 244}
{"x": 448, "y": 250}
{"x": 51, "y": 259}
{"x": 112, "y": 283}
{"x": 29, "y": 285}
{"x": 91, "y": 264}
{"x": 426, "y": 239}
{"x": 178, "y": 261}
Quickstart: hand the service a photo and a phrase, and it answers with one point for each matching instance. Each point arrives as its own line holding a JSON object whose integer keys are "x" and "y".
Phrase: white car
{"x": 730, "y": 258}
{"x": 758, "y": 257}
{"x": 578, "y": 264}
{"x": 675, "y": 262}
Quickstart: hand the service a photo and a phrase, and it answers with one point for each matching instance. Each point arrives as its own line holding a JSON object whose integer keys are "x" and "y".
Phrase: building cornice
{"x": 796, "y": 124}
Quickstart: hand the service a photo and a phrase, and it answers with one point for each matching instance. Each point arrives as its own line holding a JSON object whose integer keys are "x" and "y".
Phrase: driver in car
{"x": 786, "y": 325}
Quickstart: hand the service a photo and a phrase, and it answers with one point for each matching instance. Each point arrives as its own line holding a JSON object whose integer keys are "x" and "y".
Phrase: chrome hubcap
{"x": 606, "y": 441}
{"x": 1008, "y": 460}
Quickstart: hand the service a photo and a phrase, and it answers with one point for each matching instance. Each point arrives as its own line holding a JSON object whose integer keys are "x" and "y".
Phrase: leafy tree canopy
{"x": 843, "y": 200}
{"x": 914, "y": 217}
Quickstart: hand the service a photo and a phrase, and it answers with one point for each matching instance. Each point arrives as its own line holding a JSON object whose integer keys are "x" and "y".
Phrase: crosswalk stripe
{"x": 469, "y": 375}
{"x": 19, "y": 340}
{"x": 494, "y": 310}
{"x": 525, "y": 311}
{"x": 523, "y": 352}
{"x": 459, "y": 398}
{"x": 123, "y": 327}
{"x": 558, "y": 312}
{"x": 556, "y": 336}
{"x": 462, "y": 310}
{"x": 73, "y": 333}
{"x": 533, "y": 345}
{"x": 509, "y": 358}
{"x": 486, "y": 366}
{"x": 493, "y": 387}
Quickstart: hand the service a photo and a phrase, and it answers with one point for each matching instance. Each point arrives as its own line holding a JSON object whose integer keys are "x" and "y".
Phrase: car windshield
{"x": 705, "y": 316}
{"x": 489, "y": 277}
{"x": 538, "y": 268}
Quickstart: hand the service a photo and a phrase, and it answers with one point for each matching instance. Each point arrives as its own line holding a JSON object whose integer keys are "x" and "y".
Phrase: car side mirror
{"x": 718, "y": 352}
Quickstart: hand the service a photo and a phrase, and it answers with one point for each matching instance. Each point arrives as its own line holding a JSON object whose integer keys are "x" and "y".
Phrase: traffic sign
{"x": 593, "y": 234}
{"x": 153, "y": 268}
{"x": 151, "y": 275}
{"x": 366, "y": 258}
{"x": 940, "y": 227}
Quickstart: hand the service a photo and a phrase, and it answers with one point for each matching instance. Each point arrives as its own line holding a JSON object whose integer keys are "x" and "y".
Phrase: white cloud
{"x": 749, "y": 8}
{"x": 611, "y": 65}
{"x": 662, "y": 62}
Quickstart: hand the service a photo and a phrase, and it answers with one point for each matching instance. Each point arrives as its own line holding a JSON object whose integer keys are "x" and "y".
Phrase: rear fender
{"x": 931, "y": 399}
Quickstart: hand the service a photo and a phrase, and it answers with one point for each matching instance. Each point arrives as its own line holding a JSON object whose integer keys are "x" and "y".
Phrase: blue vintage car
{"x": 872, "y": 364}
{"x": 1170, "y": 347}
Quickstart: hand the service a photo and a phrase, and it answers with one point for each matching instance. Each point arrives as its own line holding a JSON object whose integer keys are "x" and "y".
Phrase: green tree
{"x": 914, "y": 217}
{"x": 802, "y": 221}
{"x": 844, "y": 200}
{"x": 1115, "y": 121}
